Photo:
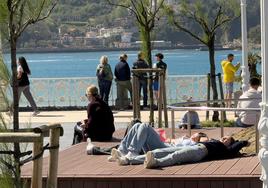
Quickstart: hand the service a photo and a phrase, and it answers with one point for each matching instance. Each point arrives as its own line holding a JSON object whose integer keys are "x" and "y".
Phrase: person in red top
{"x": 99, "y": 125}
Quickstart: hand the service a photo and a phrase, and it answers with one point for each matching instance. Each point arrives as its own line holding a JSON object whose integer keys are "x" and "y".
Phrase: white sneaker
{"x": 36, "y": 113}
{"x": 131, "y": 155}
{"x": 150, "y": 161}
{"x": 90, "y": 147}
{"x": 115, "y": 154}
{"x": 123, "y": 161}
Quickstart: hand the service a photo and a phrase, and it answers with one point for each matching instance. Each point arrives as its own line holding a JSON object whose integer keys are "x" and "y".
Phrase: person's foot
{"x": 36, "y": 113}
{"x": 123, "y": 161}
{"x": 131, "y": 155}
{"x": 115, "y": 154}
{"x": 150, "y": 161}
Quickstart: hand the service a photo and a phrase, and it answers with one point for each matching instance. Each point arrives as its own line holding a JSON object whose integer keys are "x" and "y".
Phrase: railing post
{"x": 188, "y": 125}
{"x": 221, "y": 123}
{"x": 53, "y": 158}
{"x": 208, "y": 95}
{"x": 37, "y": 164}
{"x": 160, "y": 100}
{"x": 165, "y": 101}
{"x": 172, "y": 124}
{"x": 257, "y": 135}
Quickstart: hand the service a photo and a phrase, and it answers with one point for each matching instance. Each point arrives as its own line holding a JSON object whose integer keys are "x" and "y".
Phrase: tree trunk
{"x": 13, "y": 48}
{"x": 148, "y": 50}
{"x": 211, "y": 49}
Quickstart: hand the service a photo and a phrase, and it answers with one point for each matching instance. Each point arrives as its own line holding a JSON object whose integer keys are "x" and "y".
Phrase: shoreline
{"x": 78, "y": 50}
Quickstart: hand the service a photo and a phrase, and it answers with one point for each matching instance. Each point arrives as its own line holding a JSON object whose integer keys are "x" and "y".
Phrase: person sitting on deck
{"x": 249, "y": 118}
{"x": 142, "y": 138}
{"x": 190, "y": 117}
{"x": 226, "y": 147}
{"x": 99, "y": 126}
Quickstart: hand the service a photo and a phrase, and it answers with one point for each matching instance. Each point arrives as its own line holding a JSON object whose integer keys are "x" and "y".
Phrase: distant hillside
{"x": 83, "y": 15}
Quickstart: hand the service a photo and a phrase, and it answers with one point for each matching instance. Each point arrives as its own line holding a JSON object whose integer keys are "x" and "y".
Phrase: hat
{"x": 161, "y": 56}
{"x": 92, "y": 90}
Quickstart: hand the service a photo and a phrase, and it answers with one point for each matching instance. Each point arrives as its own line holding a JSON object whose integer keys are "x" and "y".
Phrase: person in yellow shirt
{"x": 229, "y": 71}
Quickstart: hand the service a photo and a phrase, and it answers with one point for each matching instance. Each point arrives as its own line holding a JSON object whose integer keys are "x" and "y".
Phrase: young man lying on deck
{"x": 226, "y": 147}
{"x": 142, "y": 138}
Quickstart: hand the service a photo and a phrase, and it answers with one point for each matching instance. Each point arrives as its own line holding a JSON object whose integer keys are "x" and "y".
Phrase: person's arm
{"x": 91, "y": 114}
{"x": 233, "y": 68}
{"x": 184, "y": 118}
{"x": 20, "y": 71}
{"x": 236, "y": 147}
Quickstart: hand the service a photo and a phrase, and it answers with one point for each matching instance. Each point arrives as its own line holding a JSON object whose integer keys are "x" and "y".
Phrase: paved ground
{"x": 69, "y": 118}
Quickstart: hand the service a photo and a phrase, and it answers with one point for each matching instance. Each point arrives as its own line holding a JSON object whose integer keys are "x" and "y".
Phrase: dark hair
{"x": 230, "y": 55}
{"x": 201, "y": 134}
{"x": 161, "y": 56}
{"x": 24, "y": 65}
{"x": 254, "y": 81}
{"x": 232, "y": 140}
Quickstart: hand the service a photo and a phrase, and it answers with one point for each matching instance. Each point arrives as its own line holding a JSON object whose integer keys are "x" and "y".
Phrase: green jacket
{"x": 104, "y": 72}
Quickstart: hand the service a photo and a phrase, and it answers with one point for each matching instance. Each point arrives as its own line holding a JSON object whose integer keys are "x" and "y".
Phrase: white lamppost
{"x": 263, "y": 123}
{"x": 244, "y": 67}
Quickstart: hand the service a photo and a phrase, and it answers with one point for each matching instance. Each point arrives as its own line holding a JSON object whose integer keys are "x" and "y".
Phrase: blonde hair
{"x": 104, "y": 60}
{"x": 92, "y": 90}
{"x": 140, "y": 54}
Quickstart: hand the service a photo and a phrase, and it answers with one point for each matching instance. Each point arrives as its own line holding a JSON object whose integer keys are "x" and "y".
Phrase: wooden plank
{"x": 257, "y": 170}
{"x": 114, "y": 184}
{"x": 140, "y": 184}
{"x": 256, "y": 184}
{"x": 186, "y": 168}
{"x": 216, "y": 184}
{"x": 200, "y": 167}
{"x": 250, "y": 166}
{"x": 127, "y": 184}
{"x": 235, "y": 169}
{"x": 213, "y": 167}
{"x": 178, "y": 184}
{"x": 243, "y": 184}
{"x": 190, "y": 184}
{"x": 230, "y": 184}
{"x": 152, "y": 184}
{"x": 225, "y": 166}
{"x": 165, "y": 184}
{"x": 203, "y": 184}
{"x": 77, "y": 183}
{"x": 89, "y": 184}
{"x": 102, "y": 184}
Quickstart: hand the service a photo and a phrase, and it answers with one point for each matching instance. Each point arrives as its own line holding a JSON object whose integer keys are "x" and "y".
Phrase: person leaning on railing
{"x": 249, "y": 118}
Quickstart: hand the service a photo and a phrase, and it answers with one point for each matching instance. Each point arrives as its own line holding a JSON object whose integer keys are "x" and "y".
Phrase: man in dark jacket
{"x": 141, "y": 64}
{"x": 123, "y": 83}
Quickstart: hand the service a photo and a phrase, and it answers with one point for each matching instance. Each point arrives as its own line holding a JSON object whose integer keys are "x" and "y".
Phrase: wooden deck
{"x": 79, "y": 170}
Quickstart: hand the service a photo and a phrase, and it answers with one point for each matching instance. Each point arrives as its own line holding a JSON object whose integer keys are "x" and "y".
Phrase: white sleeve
{"x": 154, "y": 66}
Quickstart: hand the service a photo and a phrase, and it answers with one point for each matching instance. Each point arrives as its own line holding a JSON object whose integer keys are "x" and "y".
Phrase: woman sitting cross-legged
{"x": 142, "y": 138}
{"x": 226, "y": 147}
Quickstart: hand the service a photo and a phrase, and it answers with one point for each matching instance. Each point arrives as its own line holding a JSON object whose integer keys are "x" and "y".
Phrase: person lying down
{"x": 142, "y": 137}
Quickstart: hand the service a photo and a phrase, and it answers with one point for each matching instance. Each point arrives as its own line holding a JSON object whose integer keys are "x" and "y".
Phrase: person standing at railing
{"x": 161, "y": 65}
{"x": 249, "y": 118}
{"x": 105, "y": 77}
{"x": 141, "y": 64}
{"x": 24, "y": 84}
{"x": 229, "y": 71}
{"x": 123, "y": 83}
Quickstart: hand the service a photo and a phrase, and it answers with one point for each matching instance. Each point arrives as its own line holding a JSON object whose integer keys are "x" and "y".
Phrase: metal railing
{"x": 61, "y": 92}
{"x": 204, "y": 108}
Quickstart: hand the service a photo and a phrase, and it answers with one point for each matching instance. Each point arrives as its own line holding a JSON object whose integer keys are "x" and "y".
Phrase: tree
{"x": 208, "y": 17}
{"x": 145, "y": 12}
{"x": 16, "y": 16}
{"x": 253, "y": 60}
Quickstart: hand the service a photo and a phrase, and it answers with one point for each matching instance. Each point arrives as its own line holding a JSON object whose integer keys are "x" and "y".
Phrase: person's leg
{"x": 100, "y": 82}
{"x": 129, "y": 88}
{"x": 30, "y": 98}
{"x": 119, "y": 94}
{"x": 158, "y": 153}
{"x": 186, "y": 154}
{"x": 145, "y": 91}
{"x": 146, "y": 139}
{"x": 107, "y": 88}
{"x": 20, "y": 90}
{"x": 124, "y": 97}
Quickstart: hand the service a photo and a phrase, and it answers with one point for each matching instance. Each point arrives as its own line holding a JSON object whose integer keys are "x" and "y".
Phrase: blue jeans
{"x": 143, "y": 86}
{"x": 105, "y": 87}
{"x": 141, "y": 137}
{"x": 186, "y": 154}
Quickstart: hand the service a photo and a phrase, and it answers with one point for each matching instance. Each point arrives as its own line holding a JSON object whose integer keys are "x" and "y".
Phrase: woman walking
{"x": 24, "y": 84}
{"x": 105, "y": 77}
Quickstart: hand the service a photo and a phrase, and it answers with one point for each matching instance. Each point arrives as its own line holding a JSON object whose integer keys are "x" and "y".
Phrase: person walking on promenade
{"x": 161, "y": 65}
{"x": 123, "y": 83}
{"x": 24, "y": 84}
{"x": 249, "y": 118}
{"x": 99, "y": 125}
{"x": 105, "y": 77}
{"x": 141, "y": 64}
{"x": 229, "y": 71}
